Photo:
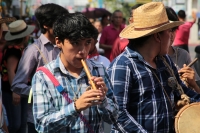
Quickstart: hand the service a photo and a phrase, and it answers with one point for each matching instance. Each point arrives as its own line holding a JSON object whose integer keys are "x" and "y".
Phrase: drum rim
{"x": 180, "y": 112}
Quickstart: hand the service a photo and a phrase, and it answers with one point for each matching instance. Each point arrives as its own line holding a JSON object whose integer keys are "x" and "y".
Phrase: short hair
{"x": 116, "y": 12}
{"x": 73, "y": 27}
{"x": 47, "y": 14}
{"x": 172, "y": 16}
{"x": 181, "y": 14}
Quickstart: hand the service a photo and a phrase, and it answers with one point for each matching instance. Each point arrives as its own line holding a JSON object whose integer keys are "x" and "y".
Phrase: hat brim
{"x": 7, "y": 20}
{"x": 129, "y": 32}
{"x": 28, "y": 31}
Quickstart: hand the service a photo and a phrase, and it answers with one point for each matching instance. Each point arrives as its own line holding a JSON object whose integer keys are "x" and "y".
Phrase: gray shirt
{"x": 29, "y": 62}
{"x": 181, "y": 57}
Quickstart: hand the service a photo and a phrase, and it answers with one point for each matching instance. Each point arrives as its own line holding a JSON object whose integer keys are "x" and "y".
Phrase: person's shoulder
{"x": 183, "y": 52}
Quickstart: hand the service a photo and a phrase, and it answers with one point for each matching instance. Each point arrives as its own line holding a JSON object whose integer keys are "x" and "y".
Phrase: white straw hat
{"x": 149, "y": 18}
{"x": 18, "y": 29}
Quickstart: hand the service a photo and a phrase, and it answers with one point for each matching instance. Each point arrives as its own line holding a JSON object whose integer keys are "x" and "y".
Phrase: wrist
{"x": 75, "y": 106}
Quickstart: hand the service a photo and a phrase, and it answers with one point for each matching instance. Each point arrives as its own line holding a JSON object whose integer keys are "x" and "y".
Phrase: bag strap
{"x": 43, "y": 58}
{"x": 65, "y": 95}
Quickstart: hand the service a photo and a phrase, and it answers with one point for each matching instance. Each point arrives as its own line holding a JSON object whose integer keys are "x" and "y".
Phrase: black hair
{"x": 73, "y": 27}
{"x": 171, "y": 15}
{"x": 181, "y": 14}
{"x": 47, "y": 14}
{"x": 113, "y": 14}
{"x": 137, "y": 42}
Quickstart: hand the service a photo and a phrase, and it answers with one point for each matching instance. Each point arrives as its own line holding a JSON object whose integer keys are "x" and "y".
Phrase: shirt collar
{"x": 134, "y": 54}
{"x": 121, "y": 26}
{"x": 44, "y": 40}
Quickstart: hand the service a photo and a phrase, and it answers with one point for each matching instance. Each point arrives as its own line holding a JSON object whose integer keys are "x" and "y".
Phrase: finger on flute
{"x": 88, "y": 73}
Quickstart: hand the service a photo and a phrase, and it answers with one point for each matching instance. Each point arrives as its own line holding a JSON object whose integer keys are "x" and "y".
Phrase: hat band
{"x": 15, "y": 33}
{"x": 152, "y": 27}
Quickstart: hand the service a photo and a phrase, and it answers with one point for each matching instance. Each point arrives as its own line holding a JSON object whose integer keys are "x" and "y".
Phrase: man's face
{"x": 165, "y": 38}
{"x": 117, "y": 18}
{"x": 131, "y": 20}
{"x": 73, "y": 51}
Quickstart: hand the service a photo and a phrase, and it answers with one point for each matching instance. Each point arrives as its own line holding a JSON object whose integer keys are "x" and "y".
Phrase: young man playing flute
{"x": 86, "y": 109}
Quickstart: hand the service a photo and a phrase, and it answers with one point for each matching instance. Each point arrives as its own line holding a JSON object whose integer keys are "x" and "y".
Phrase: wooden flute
{"x": 88, "y": 73}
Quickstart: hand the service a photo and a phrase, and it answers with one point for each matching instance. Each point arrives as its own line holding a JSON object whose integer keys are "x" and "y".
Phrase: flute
{"x": 88, "y": 73}
{"x": 189, "y": 65}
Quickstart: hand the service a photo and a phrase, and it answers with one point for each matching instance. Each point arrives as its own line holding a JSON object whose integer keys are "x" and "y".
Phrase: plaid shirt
{"x": 143, "y": 105}
{"x": 51, "y": 111}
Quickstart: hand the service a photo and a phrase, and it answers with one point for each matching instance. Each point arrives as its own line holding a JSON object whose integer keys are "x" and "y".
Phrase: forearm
{"x": 105, "y": 47}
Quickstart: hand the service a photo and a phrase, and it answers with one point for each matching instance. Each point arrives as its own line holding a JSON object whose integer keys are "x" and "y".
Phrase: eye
{"x": 74, "y": 43}
{"x": 88, "y": 42}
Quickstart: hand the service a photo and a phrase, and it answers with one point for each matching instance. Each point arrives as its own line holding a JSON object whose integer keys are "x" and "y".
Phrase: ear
{"x": 58, "y": 42}
{"x": 45, "y": 27}
{"x": 95, "y": 42}
{"x": 157, "y": 37}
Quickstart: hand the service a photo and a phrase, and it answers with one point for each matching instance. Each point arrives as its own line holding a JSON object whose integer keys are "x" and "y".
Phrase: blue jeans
{"x": 17, "y": 115}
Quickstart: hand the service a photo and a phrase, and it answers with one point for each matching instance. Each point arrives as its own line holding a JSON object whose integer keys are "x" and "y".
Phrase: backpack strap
{"x": 42, "y": 55}
{"x": 65, "y": 95}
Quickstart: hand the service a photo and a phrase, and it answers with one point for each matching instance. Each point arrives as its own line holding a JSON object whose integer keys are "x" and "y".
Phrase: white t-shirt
{"x": 101, "y": 59}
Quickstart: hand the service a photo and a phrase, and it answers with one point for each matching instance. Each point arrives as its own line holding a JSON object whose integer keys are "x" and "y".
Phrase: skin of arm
{"x": 105, "y": 47}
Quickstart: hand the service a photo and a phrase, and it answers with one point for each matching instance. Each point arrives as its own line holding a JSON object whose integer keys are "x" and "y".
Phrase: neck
{"x": 182, "y": 20}
{"x": 49, "y": 37}
{"x": 149, "y": 53}
{"x": 117, "y": 27}
{"x": 71, "y": 69}
{"x": 171, "y": 51}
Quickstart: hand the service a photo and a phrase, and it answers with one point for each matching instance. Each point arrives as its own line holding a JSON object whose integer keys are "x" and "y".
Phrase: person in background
{"x": 98, "y": 26}
{"x": 181, "y": 57}
{"x": 42, "y": 51}
{"x": 111, "y": 33}
{"x": 93, "y": 53}
{"x": 140, "y": 75}
{"x": 105, "y": 21}
{"x": 52, "y": 112}
{"x": 183, "y": 31}
{"x": 16, "y": 40}
{"x": 121, "y": 43}
{"x": 3, "y": 114}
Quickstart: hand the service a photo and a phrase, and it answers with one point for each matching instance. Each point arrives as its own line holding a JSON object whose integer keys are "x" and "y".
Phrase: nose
{"x": 82, "y": 50}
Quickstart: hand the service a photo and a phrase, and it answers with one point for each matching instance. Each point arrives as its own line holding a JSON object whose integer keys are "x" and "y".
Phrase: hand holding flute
{"x": 97, "y": 93}
{"x": 187, "y": 74}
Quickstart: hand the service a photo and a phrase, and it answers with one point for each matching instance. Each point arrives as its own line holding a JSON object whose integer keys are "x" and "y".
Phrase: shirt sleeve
{"x": 47, "y": 117}
{"x": 121, "y": 79}
{"x": 25, "y": 70}
{"x": 109, "y": 107}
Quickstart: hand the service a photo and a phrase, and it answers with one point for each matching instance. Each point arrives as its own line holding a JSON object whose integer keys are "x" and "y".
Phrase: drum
{"x": 188, "y": 119}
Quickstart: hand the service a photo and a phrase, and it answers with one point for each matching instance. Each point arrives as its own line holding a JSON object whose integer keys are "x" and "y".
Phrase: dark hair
{"x": 47, "y": 14}
{"x": 172, "y": 15}
{"x": 137, "y": 42}
{"x": 73, "y": 26}
{"x": 116, "y": 12}
{"x": 16, "y": 41}
{"x": 181, "y": 14}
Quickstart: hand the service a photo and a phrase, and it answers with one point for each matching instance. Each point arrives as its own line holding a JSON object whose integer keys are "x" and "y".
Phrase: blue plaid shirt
{"x": 52, "y": 113}
{"x": 143, "y": 105}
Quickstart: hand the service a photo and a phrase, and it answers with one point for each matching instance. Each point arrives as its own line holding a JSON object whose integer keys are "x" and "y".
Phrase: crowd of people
{"x": 132, "y": 67}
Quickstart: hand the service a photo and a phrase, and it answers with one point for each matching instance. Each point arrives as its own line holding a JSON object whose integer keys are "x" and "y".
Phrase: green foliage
{"x": 125, "y": 7}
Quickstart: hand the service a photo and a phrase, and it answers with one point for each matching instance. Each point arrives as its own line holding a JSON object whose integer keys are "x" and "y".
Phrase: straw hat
{"x": 149, "y": 18}
{"x": 18, "y": 29}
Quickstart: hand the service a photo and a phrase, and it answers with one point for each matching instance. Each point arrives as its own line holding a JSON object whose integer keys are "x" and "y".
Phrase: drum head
{"x": 188, "y": 119}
